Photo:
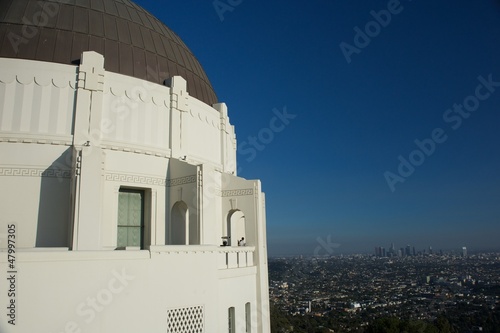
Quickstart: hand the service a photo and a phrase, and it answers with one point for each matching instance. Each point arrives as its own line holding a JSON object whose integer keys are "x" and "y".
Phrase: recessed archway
{"x": 179, "y": 224}
{"x": 236, "y": 227}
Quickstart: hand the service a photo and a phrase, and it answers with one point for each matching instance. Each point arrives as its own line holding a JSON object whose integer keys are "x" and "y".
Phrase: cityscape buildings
{"x": 348, "y": 293}
{"x": 380, "y": 251}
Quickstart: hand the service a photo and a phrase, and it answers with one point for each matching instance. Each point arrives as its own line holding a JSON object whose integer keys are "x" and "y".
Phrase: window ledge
{"x": 129, "y": 248}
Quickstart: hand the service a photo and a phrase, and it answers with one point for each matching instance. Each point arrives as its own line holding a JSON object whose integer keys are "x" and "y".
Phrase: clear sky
{"x": 329, "y": 97}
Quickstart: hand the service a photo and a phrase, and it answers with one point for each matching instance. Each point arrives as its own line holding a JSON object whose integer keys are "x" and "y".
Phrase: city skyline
{"x": 366, "y": 122}
{"x": 325, "y": 249}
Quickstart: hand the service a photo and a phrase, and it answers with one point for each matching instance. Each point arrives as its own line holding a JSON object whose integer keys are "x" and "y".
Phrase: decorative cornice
{"x": 136, "y": 179}
{"x": 158, "y": 95}
{"x": 45, "y": 141}
{"x": 182, "y": 180}
{"x": 235, "y": 193}
{"x": 148, "y": 180}
{"x": 58, "y": 81}
{"x": 63, "y": 141}
{"x": 128, "y": 149}
{"x": 35, "y": 172}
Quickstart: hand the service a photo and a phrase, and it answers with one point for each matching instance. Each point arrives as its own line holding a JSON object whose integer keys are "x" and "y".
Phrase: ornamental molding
{"x": 21, "y": 138}
{"x": 61, "y": 81}
{"x": 35, "y": 172}
{"x": 236, "y": 193}
{"x": 182, "y": 180}
{"x": 140, "y": 151}
{"x": 139, "y": 92}
{"x": 136, "y": 179}
{"x": 148, "y": 180}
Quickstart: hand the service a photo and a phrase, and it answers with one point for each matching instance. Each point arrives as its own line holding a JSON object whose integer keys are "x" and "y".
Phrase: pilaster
{"x": 87, "y": 145}
{"x": 178, "y": 109}
{"x": 261, "y": 254}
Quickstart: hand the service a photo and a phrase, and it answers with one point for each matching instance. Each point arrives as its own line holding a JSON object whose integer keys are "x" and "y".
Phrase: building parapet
{"x": 227, "y": 256}
{"x": 235, "y": 257}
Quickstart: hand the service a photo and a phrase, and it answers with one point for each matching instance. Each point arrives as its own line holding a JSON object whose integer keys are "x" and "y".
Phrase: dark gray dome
{"x": 133, "y": 41}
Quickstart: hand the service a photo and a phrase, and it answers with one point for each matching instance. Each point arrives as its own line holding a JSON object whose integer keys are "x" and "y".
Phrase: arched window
{"x": 236, "y": 228}
{"x": 179, "y": 224}
{"x": 248, "y": 317}
{"x": 231, "y": 320}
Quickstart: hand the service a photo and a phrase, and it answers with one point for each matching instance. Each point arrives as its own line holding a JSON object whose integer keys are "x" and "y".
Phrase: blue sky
{"x": 426, "y": 71}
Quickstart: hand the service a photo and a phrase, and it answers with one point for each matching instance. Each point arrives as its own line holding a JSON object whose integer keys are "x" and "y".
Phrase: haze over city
{"x": 368, "y": 123}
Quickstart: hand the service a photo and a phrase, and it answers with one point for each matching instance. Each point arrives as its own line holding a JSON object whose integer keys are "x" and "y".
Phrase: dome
{"x": 132, "y": 41}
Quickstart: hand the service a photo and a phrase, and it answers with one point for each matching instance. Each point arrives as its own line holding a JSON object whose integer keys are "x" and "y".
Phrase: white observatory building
{"x": 120, "y": 207}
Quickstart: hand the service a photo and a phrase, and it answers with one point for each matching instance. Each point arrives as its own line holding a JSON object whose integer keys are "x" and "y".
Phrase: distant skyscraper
{"x": 408, "y": 250}
{"x": 379, "y": 251}
{"x": 464, "y": 252}
{"x": 430, "y": 249}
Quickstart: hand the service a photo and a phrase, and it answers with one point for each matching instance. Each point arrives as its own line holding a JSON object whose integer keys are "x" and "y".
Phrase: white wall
{"x": 123, "y": 291}
{"x": 70, "y": 138}
{"x": 36, "y": 100}
{"x": 35, "y": 191}
{"x": 130, "y": 127}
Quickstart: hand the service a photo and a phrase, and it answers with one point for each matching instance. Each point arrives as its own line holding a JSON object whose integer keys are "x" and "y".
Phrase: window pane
{"x": 135, "y": 209}
{"x": 122, "y": 209}
{"x": 122, "y": 237}
{"x": 130, "y": 218}
{"x": 134, "y": 236}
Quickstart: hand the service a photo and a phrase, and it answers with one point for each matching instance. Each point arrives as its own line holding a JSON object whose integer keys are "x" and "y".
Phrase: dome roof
{"x": 133, "y": 41}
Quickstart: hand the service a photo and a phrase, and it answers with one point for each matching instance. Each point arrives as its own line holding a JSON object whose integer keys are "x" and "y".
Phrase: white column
{"x": 87, "y": 144}
{"x": 178, "y": 106}
{"x": 261, "y": 258}
{"x": 227, "y": 140}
